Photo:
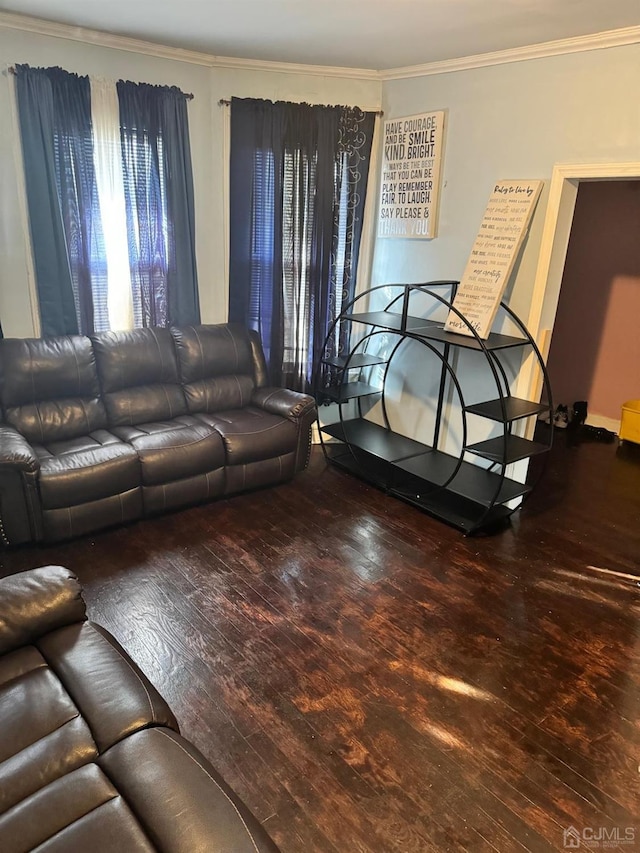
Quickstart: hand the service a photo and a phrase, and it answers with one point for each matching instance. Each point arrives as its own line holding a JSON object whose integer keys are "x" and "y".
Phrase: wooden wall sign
{"x": 502, "y": 232}
{"x": 412, "y": 157}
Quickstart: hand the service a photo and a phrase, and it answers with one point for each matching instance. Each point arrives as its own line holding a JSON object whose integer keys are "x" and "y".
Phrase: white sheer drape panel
{"x": 107, "y": 155}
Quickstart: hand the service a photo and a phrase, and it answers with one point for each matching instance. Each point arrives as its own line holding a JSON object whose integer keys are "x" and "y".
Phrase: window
{"x": 298, "y": 187}
{"x": 110, "y": 196}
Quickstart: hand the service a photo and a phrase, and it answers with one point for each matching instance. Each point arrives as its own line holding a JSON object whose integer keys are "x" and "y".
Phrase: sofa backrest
{"x": 217, "y": 366}
{"x": 50, "y": 388}
{"x": 139, "y": 376}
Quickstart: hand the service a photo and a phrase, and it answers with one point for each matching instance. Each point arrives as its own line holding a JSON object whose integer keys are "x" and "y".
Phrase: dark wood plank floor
{"x": 370, "y": 680}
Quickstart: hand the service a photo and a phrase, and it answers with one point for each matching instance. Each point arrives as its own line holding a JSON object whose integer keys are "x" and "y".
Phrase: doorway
{"x": 595, "y": 347}
{"x": 563, "y": 194}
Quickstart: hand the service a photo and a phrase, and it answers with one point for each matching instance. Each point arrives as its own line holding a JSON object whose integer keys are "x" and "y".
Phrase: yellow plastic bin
{"x": 630, "y": 421}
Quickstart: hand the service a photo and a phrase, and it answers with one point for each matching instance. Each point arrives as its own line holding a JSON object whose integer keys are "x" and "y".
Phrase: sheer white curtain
{"x": 107, "y": 155}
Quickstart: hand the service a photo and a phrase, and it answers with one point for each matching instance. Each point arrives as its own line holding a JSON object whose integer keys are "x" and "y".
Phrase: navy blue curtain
{"x": 298, "y": 186}
{"x": 159, "y": 203}
{"x": 54, "y": 108}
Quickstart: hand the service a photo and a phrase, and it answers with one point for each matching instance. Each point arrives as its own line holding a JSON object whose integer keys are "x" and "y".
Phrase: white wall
{"x": 507, "y": 121}
{"x": 206, "y": 120}
{"x": 512, "y": 121}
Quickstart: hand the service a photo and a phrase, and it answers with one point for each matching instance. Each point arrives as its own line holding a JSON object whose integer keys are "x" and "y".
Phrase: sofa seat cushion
{"x": 86, "y": 469}
{"x": 174, "y": 449}
{"x": 251, "y": 434}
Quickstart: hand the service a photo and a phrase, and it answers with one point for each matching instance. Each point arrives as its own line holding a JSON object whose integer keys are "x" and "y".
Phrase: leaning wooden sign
{"x": 412, "y": 156}
{"x": 502, "y": 232}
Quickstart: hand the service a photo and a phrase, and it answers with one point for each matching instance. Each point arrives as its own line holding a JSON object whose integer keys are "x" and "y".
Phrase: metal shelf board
{"x": 471, "y": 482}
{"x": 456, "y": 510}
{"x": 375, "y": 471}
{"x": 515, "y": 408}
{"x": 349, "y": 390}
{"x": 507, "y": 449}
{"x": 390, "y": 320}
{"x": 436, "y": 332}
{"x": 361, "y": 359}
{"x": 375, "y": 439}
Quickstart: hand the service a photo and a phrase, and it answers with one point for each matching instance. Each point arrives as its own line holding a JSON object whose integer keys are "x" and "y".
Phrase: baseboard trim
{"x": 601, "y": 421}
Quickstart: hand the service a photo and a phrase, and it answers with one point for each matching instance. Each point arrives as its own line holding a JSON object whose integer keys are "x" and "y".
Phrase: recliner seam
{"x": 143, "y": 685}
{"x": 9, "y": 681}
{"x": 89, "y": 467}
{"x": 116, "y": 796}
{"x": 201, "y": 348}
{"x": 235, "y": 346}
{"x": 76, "y": 716}
{"x": 254, "y": 432}
{"x": 217, "y": 784}
{"x": 176, "y": 446}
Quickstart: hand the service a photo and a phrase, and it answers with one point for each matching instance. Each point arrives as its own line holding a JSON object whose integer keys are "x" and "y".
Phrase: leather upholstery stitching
{"x": 75, "y": 356}
{"x": 255, "y": 432}
{"x": 83, "y": 467}
{"x": 222, "y": 791}
{"x": 33, "y": 386}
{"x": 235, "y": 347}
{"x": 176, "y": 446}
{"x": 115, "y": 796}
{"x": 195, "y": 331}
{"x": 86, "y": 414}
{"x": 53, "y": 731}
{"x": 43, "y": 665}
{"x": 164, "y": 391}
{"x": 239, "y": 387}
{"x": 155, "y": 338}
{"x": 142, "y": 684}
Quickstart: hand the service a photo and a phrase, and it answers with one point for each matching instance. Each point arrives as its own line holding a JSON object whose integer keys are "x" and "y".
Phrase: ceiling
{"x": 375, "y": 34}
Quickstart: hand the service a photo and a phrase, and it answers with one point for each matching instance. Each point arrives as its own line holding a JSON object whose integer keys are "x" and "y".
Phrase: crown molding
{"x": 9, "y": 20}
{"x": 578, "y": 44}
{"x": 295, "y": 68}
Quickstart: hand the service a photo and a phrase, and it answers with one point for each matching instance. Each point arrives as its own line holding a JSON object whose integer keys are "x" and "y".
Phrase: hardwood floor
{"x": 368, "y": 679}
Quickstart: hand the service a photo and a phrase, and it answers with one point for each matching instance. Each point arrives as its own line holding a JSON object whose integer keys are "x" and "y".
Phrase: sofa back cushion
{"x": 216, "y": 366}
{"x": 139, "y": 376}
{"x": 50, "y": 388}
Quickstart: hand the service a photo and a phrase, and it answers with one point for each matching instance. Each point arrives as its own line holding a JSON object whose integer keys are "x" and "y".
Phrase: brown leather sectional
{"x": 104, "y": 430}
{"x": 91, "y": 758}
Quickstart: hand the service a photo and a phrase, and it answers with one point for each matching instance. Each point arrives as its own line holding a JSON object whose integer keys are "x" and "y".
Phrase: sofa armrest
{"x": 36, "y": 602}
{"x": 16, "y": 452}
{"x": 20, "y": 510}
{"x": 280, "y": 401}
{"x": 298, "y": 408}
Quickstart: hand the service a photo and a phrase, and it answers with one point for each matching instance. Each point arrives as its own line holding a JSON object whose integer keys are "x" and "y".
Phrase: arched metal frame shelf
{"x": 472, "y": 497}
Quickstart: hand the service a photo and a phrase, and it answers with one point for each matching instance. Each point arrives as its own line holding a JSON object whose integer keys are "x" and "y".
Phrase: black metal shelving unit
{"x": 470, "y": 489}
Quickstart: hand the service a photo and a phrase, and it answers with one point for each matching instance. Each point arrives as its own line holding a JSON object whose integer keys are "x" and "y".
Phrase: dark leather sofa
{"x": 91, "y": 758}
{"x": 104, "y": 430}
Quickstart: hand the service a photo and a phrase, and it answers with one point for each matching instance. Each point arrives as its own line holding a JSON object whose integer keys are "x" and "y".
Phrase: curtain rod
{"x": 225, "y": 102}
{"x": 188, "y": 95}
